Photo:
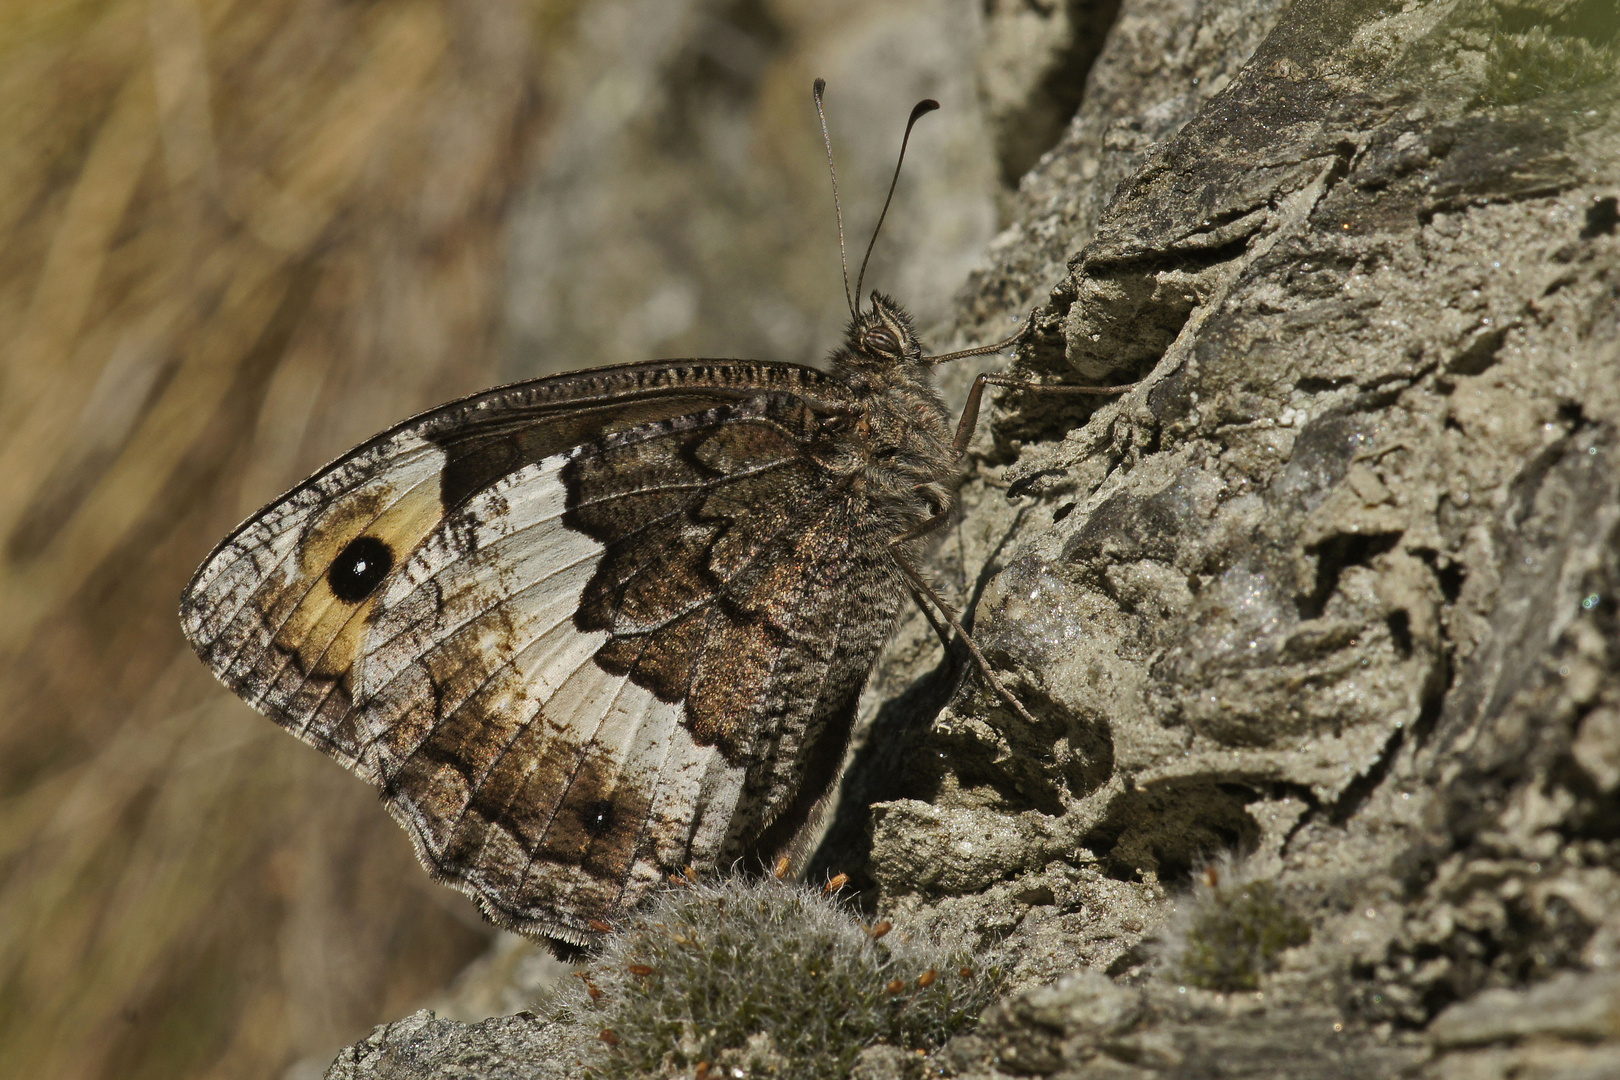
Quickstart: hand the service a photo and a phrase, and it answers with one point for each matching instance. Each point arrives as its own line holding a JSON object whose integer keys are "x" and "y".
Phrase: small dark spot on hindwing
{"x": 597, "y": 817}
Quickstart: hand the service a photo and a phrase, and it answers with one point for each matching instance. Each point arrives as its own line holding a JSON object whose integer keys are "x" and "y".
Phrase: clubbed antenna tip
{"x": 918, "y": 111}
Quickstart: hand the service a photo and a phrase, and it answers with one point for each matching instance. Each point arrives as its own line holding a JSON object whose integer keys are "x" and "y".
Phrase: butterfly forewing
{"x": 581, "y": 632}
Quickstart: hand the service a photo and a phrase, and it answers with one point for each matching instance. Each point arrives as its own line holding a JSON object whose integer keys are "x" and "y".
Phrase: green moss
{"x": 1523, "y": 66}
{"x": 769, "y": 977}
{"x": 1237, "y": 934}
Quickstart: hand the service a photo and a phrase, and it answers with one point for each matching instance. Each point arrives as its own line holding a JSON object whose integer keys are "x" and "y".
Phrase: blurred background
{"x": 239, "y": 238}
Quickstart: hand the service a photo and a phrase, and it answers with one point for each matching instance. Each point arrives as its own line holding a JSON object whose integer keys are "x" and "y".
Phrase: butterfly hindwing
{"x": 742, "y": 576}
{"x": 523, "y": 769}
{"x": 580, "y": 632}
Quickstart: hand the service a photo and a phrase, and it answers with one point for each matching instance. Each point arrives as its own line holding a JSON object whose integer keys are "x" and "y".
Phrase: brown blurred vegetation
{"x": 237, "y": 238}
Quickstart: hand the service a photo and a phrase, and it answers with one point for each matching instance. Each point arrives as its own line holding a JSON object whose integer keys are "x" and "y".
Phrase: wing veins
{"x": 573, "y": 776}
{"x": 444, "y": 639}
{"x": 748, "y": 564}
{"x": 286, "y": 657}
{"x": 240, "y": 552}
{"x": 433, "y": 578}
{"x": 489, "y": 676}
{"x": 647, "y": 815}
{"x": 718, "y": 481}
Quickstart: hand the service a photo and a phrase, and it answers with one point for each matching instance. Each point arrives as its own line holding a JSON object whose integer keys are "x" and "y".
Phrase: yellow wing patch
{"x": 323, "y": 631}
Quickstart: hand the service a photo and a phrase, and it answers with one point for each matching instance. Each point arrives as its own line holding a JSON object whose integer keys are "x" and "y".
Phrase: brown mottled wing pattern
{"x": 580, "y": 632}
{"x": 744, "y": 578}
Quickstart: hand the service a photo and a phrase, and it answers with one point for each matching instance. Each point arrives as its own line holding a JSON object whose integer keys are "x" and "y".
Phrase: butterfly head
{"x": 882, "y": 336}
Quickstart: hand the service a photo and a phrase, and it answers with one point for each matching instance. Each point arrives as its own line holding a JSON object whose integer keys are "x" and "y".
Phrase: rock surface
{"x": 423, "y": 1046}
{"x": 1333, "y": 590}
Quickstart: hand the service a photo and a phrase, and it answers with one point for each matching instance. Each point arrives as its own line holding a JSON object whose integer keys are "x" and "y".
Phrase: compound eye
{"x": 881, "y": 339}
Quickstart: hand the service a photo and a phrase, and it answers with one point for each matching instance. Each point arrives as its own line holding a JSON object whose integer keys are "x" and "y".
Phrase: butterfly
{"x": 590, "y": 630}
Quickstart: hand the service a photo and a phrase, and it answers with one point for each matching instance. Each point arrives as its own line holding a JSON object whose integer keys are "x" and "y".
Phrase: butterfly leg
{"x": 915, "y": 580}
{"x": 970, "y": 412}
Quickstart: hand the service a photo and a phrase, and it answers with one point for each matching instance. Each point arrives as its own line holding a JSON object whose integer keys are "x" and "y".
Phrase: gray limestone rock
{"x": 1569, "y": 1006}
{"x": 423, "y": 1047}
{"x": 1332, "y": 592}
{"x": 1333, "y": 588}
{"x": 1158, "y": 1032}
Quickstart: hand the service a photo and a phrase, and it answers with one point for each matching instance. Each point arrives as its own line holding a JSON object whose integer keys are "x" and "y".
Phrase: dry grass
{"x": 237, "y": 238}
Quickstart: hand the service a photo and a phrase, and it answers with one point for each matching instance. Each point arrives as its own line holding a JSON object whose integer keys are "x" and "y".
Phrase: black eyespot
{"x": 597, "y": 817}
{"x": 359, "y": 569}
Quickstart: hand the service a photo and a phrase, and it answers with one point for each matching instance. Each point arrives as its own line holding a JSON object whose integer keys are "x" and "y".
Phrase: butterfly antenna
{"x": 918, "y": 111}
{"x": 820, "y": 88}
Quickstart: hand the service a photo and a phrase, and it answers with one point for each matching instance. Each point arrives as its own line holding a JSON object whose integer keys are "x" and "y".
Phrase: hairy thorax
{"x": 898, "y": 445}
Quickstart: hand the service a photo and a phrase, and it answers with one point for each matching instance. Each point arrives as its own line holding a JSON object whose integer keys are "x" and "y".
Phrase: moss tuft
{"x": 1236, "y": 933}
{"x": 768, "y": 977}
{"x": 1524, "y": 66}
